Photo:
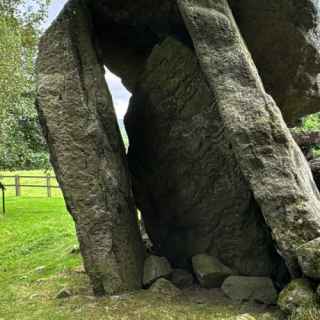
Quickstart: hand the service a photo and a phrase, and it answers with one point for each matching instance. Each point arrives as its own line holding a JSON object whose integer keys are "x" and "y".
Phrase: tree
{"x": 21, "y": 144}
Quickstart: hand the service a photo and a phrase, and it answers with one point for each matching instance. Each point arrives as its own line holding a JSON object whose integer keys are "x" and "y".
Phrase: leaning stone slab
{"x": 77, "y": 115}
{"x": 297, "y": 294}
{"x": 257, "y": 289}
{"x": 309, "y": 258}
{"x": 270, "y": 160}
{"x": 154, "y": 268}
{"x": 209, "y": 271}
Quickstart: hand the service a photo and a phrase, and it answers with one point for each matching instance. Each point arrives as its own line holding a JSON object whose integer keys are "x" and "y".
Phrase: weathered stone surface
{"x": 154, "y": 268}
{"x": 209, "y": 271}
{"x": 309, "y": 258}
{"x": 164, "y": 286}
{"x": 269, "y": 158}
{"x": 283, "y": 38}
{"x": 258, "y": 289}
{"x": 182, "y": 278}
{"x": 298, "y": 293}
{"x": 187, "y": 183}
{"x": 128, "y": 30}
{"x": 77, "y": 115}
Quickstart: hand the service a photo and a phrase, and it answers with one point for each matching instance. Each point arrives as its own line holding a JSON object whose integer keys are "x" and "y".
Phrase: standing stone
{"x": 257, "y": 289}
{"x": 76, "y": 113}
{"x": 187, "y": 182}
{"x": 269, "y": 158}
{"x": 209, "y": 271}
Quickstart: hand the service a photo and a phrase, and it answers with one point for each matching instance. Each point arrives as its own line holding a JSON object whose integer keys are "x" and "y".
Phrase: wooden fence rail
{"x": 18, "y": 185}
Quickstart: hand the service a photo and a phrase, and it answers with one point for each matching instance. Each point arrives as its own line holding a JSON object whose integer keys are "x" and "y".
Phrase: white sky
{"x": 119, "y": 94}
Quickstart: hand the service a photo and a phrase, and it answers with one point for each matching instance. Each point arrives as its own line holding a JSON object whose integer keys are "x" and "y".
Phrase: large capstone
{"x": 283, "y": 38}
{"x": 87, "y": 152}
{"x": 187, "y": 182}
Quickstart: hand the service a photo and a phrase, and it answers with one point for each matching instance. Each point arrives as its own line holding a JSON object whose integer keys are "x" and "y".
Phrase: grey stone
{"x": 270, "y": 160}
{"x": 297, "y": 294}
{"x": 257, "y": 289}
{"x": 164, "y": 286}
{"x": 202, "y": 203}
{"x": 80, "y": 126}
{"x": 182, "y": 278}
{"x": 63, "y": 294}
{"x": 154, "y": 268}
{"x": 292, "y": 26}
{"x": 209, "y": 271}
{"x": 309, "y": 258}
{"x": 290, "y": 69}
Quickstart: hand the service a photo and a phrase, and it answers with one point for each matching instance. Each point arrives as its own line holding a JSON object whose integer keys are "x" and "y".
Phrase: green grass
{"x": 36, "y": 237}
{"x": 35, "y": 232}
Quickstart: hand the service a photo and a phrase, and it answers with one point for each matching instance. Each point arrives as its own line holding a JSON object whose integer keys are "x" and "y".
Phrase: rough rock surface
{"x": 201, "y": 203}
{"x": 154, "y": 268}
{"x": 209, "y": 271}
{"x": 289, "y": 32}
{"x": 270, "y": 160}
{"x": 298, "y": 293}
{"x": 128, "y": 30}
{"x": 254, "y": 289}
{"x": 309, "y": 258}
{"x": 87, "y": 153}
{"x": 164, "y": 286}
{"x": 182, "y": 278}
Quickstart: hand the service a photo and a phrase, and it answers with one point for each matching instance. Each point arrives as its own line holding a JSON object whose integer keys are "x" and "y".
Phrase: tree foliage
{"x": 21, "y": 143}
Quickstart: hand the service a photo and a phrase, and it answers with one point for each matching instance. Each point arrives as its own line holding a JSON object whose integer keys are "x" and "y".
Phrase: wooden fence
{"x": 18, "y": 185}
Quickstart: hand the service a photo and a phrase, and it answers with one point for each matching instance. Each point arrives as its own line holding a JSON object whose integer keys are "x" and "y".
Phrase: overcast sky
{"x": 120, "y": 95}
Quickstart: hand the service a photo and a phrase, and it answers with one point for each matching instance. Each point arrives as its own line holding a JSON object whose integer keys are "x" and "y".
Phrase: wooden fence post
{"x": 49, "y": 186}
{"x": 17, "y": 184}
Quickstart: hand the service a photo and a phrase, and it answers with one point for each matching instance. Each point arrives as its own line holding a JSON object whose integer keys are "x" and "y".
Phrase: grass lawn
{"x": 36, "y": 237}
